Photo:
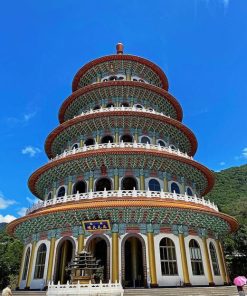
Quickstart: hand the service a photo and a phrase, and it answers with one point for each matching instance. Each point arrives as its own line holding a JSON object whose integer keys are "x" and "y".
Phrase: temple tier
{"x": 121, "y": 184}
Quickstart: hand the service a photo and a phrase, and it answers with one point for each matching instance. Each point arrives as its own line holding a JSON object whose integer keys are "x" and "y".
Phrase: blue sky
{"x": 200, "y": 44}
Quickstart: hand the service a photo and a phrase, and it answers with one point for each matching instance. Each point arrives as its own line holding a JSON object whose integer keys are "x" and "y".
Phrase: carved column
{"x": 151, "y": 257}
{"x": 115, "y": 254}
{"x": 182, "y": 231}
{"x": 116, "y": 179}
{"x": 221, "y": 261}
{"x": 22, "y": 266}
{"x": 52, "y": 237}
{"x": 31, "y": 263}
{"x": 203, "y": 234}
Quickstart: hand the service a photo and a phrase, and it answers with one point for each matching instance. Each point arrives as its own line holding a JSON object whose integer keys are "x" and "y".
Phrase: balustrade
{"x": 120, "y": 194}
{"x": 122, "y": 144}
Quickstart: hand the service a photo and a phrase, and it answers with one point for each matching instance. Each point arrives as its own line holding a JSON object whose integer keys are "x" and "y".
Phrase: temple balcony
{"x": 122, "y": 194}
{"x": 121, "y": 145}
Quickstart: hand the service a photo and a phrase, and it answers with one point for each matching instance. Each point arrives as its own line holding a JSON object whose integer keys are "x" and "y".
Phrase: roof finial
{"x": 119, "y": 48}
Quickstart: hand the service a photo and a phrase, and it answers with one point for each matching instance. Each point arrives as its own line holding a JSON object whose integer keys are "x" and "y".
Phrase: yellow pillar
{"x": 165, "y": 184}
{"x": 151, "y": 257}
{"x": 22, "y": 266}
{"x": 116, "y": 136}
{"x": 184, "y": 260}
{"x": 221, "y": 260}
{"x": 128, "y": 76}
{"x": 69, "y": 188}
{"x": 80, "y": 242}
{"x": 136, "y": 136}
{"x": 90, "y": 183}
{"x": 30, "y": 268}
{"x": 116, "y": 181}
{"x": 228, "y": 281}
{"x": 142, "y": 182}
{"x": 208, "y": 265}
{"x": 81, "y": 143}
{"x": 63, "y": 262}
{"x": 50, "y": 260}
{"x": 115, "y": 263}
{"x": 154, "y": 140}
{"x": 98, "y": 138}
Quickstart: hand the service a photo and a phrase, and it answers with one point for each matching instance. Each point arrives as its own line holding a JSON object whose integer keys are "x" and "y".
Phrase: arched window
{"x": 75, "y": 146}
{"x": 196, "y": 258}
{"x": 138, "y": 106}
{"x": 49, "y": 196}
{"x": 145, "y": 140}
{"x": 214, "y": 259}
{"x": 127, "y": 138}
{"x": 40, "y": 262}
{"x": 109, "y": 105}
{"x": 168, "y": 258}
{"x": 25, "y": 267}
{"x": 172, "y": 147}
{"x": 102, "y": 184}
{"x": 161, "y": 143}
{"x": 89, "y": 142}
{"x": 96, "y": 107}
{"x": 174, "y": 187}
{"x": 107, "y": 139}
{"x": 129, "y": 183}
{"x": 120, "y": 78}
{"x": 61, "y": 191}
{"x": 154, "y": 185}
{"x": 189, "y": 191}
{"x": 113, "y": 78}
{"x": 104, "y": 80}
{"x": 124, "y": 104}
{"x": 80, "y": 187}
{"x": 141, "y": 80}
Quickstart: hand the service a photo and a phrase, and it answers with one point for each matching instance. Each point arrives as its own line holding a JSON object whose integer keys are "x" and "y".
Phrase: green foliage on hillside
{"x": 230, "y": 194}
{"x": 10, "y": 259}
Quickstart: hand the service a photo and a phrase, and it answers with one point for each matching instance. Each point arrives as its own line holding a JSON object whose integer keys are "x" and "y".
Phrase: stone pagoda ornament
{"x": 121, "y": 184}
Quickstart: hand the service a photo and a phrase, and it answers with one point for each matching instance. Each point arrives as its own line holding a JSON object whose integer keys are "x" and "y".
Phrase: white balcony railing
{"x": 121, "y": 194}
{"x": 121, "y": 145}
{"x": 122, "y": 108}
{"x": 85, "y": 289}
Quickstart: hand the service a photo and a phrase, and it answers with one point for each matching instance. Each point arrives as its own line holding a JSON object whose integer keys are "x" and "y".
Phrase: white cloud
{"x": 23, "y": 120}
{"x": 22, "y": 211}
{"x": 222, "y": 163}
{"x": 226, "y": 3}
{"x": 4, "y": 202}
{"x": 31, "y": 200}
{"x": 244, "y": 152}
{"x": 28, "y": 116}
{"x": 30, "y": 150}
{"x": 7, "y": 218}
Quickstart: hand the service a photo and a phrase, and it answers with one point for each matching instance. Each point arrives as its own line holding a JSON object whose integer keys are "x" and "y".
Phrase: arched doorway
{"x": 99, "y": 247}
{"x": 127, "y": 138}
{"x": 102, "y": 184}
{"x": 80, "y": 187}
{"x": 89, "y": 142}
{"x": 107, "y": 139}
{"x": 129, "y": 183}
{"x": 134, "y": 273}
{"x": 65, "y": 253}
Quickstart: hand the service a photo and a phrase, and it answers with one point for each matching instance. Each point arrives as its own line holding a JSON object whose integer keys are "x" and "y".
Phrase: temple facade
{"x": 122, "y": 184}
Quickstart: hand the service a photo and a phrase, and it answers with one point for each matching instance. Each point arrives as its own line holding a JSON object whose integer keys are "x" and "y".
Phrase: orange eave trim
{"x": 120, "y": 202}
{"x": 120, "y": 151}
{"x": 140, "y": 60}
{"x": 51, "y": 137}
{"x": 88, "y": 88}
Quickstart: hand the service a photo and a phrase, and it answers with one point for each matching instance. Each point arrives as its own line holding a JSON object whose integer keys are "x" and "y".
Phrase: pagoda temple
{"x": 122, "y": 184}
